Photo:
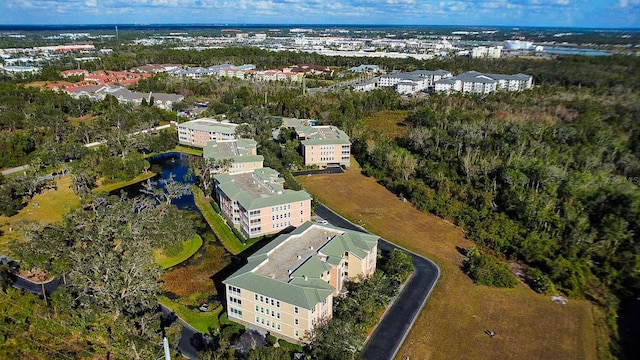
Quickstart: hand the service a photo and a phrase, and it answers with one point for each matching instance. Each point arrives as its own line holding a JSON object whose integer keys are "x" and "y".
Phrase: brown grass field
{"x": 193, "y": 282}
{"x": 451, "y": 326}
{"x": 391, "y": 123}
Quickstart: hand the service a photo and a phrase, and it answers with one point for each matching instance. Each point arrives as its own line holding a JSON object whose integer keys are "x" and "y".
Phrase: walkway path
{"x": 394, "y": 327}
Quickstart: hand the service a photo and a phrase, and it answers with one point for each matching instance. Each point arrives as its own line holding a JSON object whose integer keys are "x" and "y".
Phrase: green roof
{"x": 236, "y": 150}
{"x": 207, "y": 124}
{"x": 258, "y": 189}
{"x": 301, "y": 286}
{"x": 322, "y": 135}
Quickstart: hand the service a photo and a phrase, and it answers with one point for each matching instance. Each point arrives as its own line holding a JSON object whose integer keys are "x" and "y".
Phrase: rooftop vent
{"x": 299, "y": 257}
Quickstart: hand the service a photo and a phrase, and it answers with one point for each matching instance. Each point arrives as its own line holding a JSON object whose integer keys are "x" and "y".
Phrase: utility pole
{"x": 165, "y": 343}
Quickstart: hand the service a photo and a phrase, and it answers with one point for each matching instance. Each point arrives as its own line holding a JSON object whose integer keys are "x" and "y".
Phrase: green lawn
{"x": 189, "y": 247}
{"x": 201, "y": 321}
{"x": 219, "y": 226}
{"x": 120, "y": 184}
{"x": 187, "y": 150}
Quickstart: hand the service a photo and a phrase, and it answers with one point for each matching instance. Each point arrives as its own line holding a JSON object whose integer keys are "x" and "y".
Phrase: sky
{"x": 550, "y": 13}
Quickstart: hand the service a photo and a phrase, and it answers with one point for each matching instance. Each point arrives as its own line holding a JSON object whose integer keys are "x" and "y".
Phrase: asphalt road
{"x": 15, "y": 169}
{"x": 390, "y": 333}
{"x": 190, "y": 339}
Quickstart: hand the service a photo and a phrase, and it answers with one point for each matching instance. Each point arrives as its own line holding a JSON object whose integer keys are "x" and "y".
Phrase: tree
{"x": 83, "y": 183}
{"x": 485, "y": 270}
{"x": 166, "y": 190}
{"x": 400, "y": 265}
{"x": 337, "y": 339}
{"x": 107, "y": 251}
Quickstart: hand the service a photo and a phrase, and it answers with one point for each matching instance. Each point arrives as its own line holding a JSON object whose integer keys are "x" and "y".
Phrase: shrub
{"x": 539, "y": 282}
{"x": 400, "y": 265}
{"x": 485, "y": 270}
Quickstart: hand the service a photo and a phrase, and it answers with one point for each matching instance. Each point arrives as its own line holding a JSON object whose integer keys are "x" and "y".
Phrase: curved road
{"x": 390, "y": 333}
{"x": 188, "y": 344}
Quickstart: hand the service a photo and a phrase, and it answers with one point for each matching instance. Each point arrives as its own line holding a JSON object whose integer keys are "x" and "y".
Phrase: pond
{"x": 169, "y": 163}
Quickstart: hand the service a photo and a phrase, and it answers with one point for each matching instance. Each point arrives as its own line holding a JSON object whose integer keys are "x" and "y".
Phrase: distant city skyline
{"x": 543, "y": 13}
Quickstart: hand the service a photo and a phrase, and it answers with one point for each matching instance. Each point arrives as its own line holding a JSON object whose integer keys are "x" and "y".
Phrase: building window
{"x": 257, "y": 308}
{"x": 295, "y": 333}
{"x": 278, "y": 326}
{"x": 277, "y": 303}
{"x": 295, "y": 310}
{"x": 235, "y": 313}
{"x": 295, "y": 322}
{"x": 255, "y": 296}
{"x": 235, "y": 301}
{"x": 234, "y": 290}
{"x": 278, "y": 315}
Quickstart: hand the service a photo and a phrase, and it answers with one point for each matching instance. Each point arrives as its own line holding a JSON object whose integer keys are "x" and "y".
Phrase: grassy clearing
{"x": 46, "y": 208}
{"x": 452, "y": 324}
{"x": 106, "y": 188}
{"x": 187, "y": 150}
{"x": 193, "y": 283}
{"x": 389, "y": 123}
{"x": 201, "y": 321}
{"x": 219, "y": 226}
{"x": 189, "y": 247}
{"x": 87, "y": 119}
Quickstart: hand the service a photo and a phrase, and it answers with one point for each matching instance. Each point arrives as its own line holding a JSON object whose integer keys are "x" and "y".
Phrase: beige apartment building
{"x": 324, "y": 145}
{"x": 239, "y": 155}
{"x": 200, "y": 131}
{"x": 257, "y": 204}
{"x": 287, "y": 287}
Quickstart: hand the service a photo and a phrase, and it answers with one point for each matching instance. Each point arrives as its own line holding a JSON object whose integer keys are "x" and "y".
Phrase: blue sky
{"x": 564, "y": 13}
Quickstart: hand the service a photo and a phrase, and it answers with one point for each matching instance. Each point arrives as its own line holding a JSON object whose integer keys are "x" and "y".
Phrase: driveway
{"x": 390, "y": 333}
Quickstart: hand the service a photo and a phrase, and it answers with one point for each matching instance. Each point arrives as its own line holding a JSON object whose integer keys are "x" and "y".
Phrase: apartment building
{"x": 240, "y": 153}
{"x": 479, "y": 83}
{"x": 287, "y": 287}
{"x": 491, "y": 52}
{"x": 256, "y": 203}
{"x": 365, "y": 86}
{"x": 200, "y": 131}
{"x": 324, "y": 145}
{"x": 413, "y": 82}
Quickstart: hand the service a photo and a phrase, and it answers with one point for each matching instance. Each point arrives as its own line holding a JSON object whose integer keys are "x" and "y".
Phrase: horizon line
{"x": 322, "y": 24}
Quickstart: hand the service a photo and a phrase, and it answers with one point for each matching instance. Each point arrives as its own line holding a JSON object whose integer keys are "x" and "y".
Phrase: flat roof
{"x": 237, "y": 150}
{"x": 207, "y": 124}
{"x": 293, "y": 252}
{"x": 322, "y": 135}
{"x": 254, "y": 186}
{"x": 268, "y": 269}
